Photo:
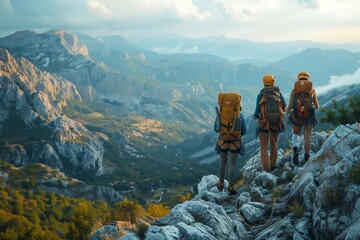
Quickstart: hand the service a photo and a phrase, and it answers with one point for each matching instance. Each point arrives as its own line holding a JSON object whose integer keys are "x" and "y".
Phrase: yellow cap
{"x": 269, "y": 80}
{"x": 303, "y": 76}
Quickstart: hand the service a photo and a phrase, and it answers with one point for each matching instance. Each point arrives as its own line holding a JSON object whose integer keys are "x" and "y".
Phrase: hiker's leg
{"x": 232, "y": 169}
{"x": 264, "y": 140}
{"x": 295, "y": 141}
{"x": 295, "y": 136}
{"x": 273, "y": 148}
{"x": 223, "y": 160}
{"x": 307, "y": 138}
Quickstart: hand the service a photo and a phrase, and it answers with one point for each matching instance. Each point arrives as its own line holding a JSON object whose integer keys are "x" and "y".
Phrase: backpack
{"x": 303, "y": 100}
{"x": 271, "y": 105}
{"x": 228, "y": 123}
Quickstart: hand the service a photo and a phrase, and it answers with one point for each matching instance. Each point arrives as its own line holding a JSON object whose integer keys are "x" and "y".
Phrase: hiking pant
{"x": 268, "y": 163}
{"x": 307, "y": 136}
{"x": 231, "y": 167}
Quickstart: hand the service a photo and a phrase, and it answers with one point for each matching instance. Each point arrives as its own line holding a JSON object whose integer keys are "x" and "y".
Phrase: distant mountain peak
{"x": 70, "y": 41}
{"x": 22, "y": 34}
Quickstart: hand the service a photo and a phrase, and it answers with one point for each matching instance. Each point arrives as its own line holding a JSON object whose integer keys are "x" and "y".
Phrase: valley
{"x": 110, "y": 113}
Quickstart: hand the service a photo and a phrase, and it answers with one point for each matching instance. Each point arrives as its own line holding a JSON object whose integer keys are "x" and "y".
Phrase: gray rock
{"x": 299, "y": 186}
{"x": 130, "y": 236}
{"x": 207, "y": 189}
{"x": 106, "y": 232}
{"x": 266, "y": 180}
{"x": 240, "y": 230}
{"x": 302, "y": 230}
{"x": 282, "y": 229}
{"x": 352, "y": 232}
{"x": 243, "y": 198}
{"x": 254, "y": 212}
{"x": 166, "y": 233}
{"x": 356, "y": 212}
{"x": 257, "y": 192}
{"x": 198, "y": 232}
{"x": 309, "y": 196}
{"x": 14, "y": 154}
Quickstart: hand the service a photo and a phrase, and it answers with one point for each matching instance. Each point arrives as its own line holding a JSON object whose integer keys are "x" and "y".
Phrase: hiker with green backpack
{"x": 301, "y": 110}
{"x": 230, "y": 126}
{"x": 270, "y": 108}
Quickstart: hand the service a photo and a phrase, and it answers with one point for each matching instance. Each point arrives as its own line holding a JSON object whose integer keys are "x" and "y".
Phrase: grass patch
{"x": 297, "y": 209}
{"x": 354, "y": 175}
{"x": 278, "y": 193}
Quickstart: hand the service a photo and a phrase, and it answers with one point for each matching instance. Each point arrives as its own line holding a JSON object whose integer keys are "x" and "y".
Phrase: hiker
{"x": 301, "y": 112}
{"x": 230, "y": 125}
{"x": 270, "y": 108}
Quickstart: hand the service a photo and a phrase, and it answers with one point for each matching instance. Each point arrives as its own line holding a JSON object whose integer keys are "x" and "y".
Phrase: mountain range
{"x": 104, "y": 109}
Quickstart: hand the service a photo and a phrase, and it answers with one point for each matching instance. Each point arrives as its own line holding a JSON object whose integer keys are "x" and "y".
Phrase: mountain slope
{"x": 233, "y": 49}
{"x": 124, "y": 59}
{"x": 321, "y": 64}
{"x": 32, "y": 124}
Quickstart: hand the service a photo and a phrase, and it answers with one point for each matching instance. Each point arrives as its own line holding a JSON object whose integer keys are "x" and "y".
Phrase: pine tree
{"x": 343, "y": 114}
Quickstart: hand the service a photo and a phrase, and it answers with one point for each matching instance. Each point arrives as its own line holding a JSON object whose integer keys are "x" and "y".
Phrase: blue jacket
{"x": 258, "y": 109}
{"x": 243, "y": 125}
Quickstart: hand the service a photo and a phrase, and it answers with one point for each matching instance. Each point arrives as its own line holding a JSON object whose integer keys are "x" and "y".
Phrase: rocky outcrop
{"x": 78, "y": 189}
{"x": 319, "y": 201}
{"x": 34, "y": 99}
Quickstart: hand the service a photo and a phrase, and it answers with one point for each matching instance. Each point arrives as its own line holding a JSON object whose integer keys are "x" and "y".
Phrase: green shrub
{"x": 343, "y": 114}
{"x": 297, "y": 209}
{"x": 255, "y": 197}
{"x": 354, "y": 176}
{"x": 278, "y": 193}
{"x": 269, "y": 185}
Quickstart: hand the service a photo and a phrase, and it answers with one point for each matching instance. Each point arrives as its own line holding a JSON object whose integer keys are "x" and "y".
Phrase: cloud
{"x": 45, "y": 14}
{"x": 171, "y": 10}
{"x": 257, "y": 20}
{"x": 98, "y": 9}
{"x": 178, "y": 49}
{"x": 340, "y": 81}
{"x": 5, "y": 7}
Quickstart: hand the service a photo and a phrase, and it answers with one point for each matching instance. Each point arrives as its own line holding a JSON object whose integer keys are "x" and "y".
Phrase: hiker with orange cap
{"x": 270, "y": 108}
{"x": 301, "y": 110}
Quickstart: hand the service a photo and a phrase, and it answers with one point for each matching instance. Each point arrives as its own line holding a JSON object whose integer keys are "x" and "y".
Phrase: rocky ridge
{"x": 65, "y": 54}
{"x": 35, "y": 99}
{"x": 315, "y": 200}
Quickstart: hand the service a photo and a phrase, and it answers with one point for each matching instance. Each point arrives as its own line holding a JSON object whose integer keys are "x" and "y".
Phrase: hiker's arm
{"x": 316, "y": 101}
{"x": 257, "y": 109}
{"x": 291, "y": 102}
{"x": 243, "y": 125}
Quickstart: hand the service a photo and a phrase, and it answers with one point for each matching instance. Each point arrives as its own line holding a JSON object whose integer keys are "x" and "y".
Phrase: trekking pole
{"x": 253, "y": 160}
{"x": 288, "y": 121}
{"x": 284, "y": 144}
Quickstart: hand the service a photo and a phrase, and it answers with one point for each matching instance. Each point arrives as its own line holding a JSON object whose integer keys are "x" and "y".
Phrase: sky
{"x": 332, "y": 21}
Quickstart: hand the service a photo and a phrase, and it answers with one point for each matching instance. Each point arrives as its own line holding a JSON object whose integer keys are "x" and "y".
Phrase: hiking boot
{"x": 295, "y": 156}
{"x": 220, "y": 186}
{"x": 231, "y": 191}
{"x": 306, "y": 157}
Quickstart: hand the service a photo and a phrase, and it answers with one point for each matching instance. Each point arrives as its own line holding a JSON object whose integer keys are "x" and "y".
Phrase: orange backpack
{"x": 303, "y": 100}
{"x": 229, "y": 123}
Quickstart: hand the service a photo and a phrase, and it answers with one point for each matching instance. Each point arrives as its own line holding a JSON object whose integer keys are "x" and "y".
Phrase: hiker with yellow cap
{"x": 270, "y": 108}
{"x": 302, "y": 105}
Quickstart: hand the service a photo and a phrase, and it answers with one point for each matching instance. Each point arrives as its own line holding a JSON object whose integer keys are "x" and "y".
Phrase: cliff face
{"x": 31, "y": 106}
{"x": 319, "y": 199}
